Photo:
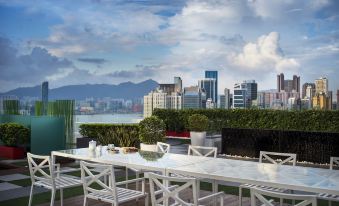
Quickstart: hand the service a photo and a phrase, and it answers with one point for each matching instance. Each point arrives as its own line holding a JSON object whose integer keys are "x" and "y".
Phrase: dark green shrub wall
{"x": 309, "y": 120}
{"x": 122, "y": 135}
{"x": 13, "y": 134}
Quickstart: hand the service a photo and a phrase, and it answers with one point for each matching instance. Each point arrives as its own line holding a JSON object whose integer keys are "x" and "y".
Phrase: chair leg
{"x": 31, "y": 196}
{"x": 198, "y": 189}
{"x": 52, "y": 197}
{"x": 281, "y": 201}
{"x": 85, "y": 201}
{"x": 253, "y": 202}
{"x": 137, "y": 175}
{"x": 126, "y": 177}
{"x": 61, "y": 197}
{"x": 329, "y": 203}
{"x": 146, "y": 200}
{"x": 240, "y": 196}
{"x": 222, "y": 200}
{"x": 215, "y": 190}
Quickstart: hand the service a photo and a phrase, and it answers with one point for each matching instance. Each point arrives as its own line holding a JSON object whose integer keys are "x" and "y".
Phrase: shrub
{"x": 152, "y": 130}
{"x": 308, "y": 120}
{"x": 13, "y": 134}
{"x": 197, "y": 123}
{"x": 122, "y": 135}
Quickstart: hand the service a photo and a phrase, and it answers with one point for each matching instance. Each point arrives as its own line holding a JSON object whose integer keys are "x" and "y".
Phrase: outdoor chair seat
{"x": 123, "y": 194}
{"x": 60, "y": 182}
{"x": 326, "y": 196}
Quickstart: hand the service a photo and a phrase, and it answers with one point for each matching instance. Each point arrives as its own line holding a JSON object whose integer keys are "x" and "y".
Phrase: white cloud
{"x": 264, "y": 55}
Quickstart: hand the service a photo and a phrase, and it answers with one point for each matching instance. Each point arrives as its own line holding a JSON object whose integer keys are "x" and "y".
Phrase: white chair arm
{"x": 142, "y": 179}
{"x": 218, "y": 194}
{"x": 170, "y": 188}
{"x": 69, "y": 170}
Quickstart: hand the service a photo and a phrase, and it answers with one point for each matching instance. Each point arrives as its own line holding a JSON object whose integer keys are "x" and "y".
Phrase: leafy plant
{"x": 152, "y": 130}
{"x": 13, "y": 134}
{"x": 198, "y": 123}
{"x": 150, "y": 156}
{"x": 122, "y": 135}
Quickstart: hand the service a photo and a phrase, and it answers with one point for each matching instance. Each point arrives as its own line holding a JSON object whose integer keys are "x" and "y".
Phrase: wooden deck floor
{"x": 229, "y": 200}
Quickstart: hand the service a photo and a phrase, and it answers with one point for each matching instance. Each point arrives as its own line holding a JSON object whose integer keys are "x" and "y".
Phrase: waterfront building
{"x": 210, "y": 104}
{"x": 338, "y": 99}
{"x": 288, "y": 85}
{"x": 3, "y": 99}
{"x": 239, "y": 96}
{"x": 194, "y": 98}
{"x": 209, "y": 86}
{"x": 155, "y": 99}
{"x": 225, "y": 99}
{"x": 177, "y": 84}
{"x": 280, "y": 82}
{"x": 321, "y": 85}
{"x": 311, "y": 90}
{"x": 251, "y": 91}
{"x": 213, "y": 75}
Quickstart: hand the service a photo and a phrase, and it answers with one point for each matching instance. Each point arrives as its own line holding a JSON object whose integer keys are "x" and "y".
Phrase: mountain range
{"x": 126, "y": 90}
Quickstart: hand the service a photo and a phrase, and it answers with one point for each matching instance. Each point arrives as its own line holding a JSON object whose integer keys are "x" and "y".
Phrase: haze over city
{"x": 79, "y": 42}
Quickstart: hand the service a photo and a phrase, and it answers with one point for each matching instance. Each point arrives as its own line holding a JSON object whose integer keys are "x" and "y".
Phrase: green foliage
{"x": 13, "y": 134}
{"x": 152, "y": 130}
{"x": 151, "y": 156}
{"x": 308, "y": 120}
{"x": 122, "y": 135}
{"x": 197, "y": 123}
{"x": 11, "y": 107}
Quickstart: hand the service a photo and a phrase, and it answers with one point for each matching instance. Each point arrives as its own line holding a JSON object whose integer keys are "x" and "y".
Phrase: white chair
{"x": 44, "y": 174}
{"x": 161, "y": 148}
{"x": 326, "y": 196}
{"x": 267, "y": 156}
{"x": 202, "y": 151}
{"x": 172, "y": 193}
{"x": 263, "y": 197}
{"x": 108, "y": 193}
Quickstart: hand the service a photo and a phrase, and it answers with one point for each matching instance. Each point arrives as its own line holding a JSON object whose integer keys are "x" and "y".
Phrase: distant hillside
{"x": 126, "y": 90}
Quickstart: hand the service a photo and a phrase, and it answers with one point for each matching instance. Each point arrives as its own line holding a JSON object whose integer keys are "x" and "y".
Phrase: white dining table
{"x": 305, "y": 179}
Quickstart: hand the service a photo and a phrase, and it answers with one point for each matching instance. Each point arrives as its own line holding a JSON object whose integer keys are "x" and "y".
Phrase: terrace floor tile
{"x": 12, "y": 177}
{"x": 4, "y": 186}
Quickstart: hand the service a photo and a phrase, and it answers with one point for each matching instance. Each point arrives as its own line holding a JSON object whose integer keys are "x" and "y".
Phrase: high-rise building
{"x": 296, "y": 83}
{"x": 209, "y": 104}
{"x": 209, "y": 85}
{"x": 280, "y": 82}
{"x": 178, "y": 84}
{"x": 288, "y": 85}
{"x": 329, "y": 100}
{"x": 239, "y": 96}
{"x": 320, "y": 101}
{"x": 167, "y": 88}
{"x": 251, "y": 91}
{"x": 311, "y": 87}
{"x": 213, "y": 75}
{"x": 321, "y": 85}
{"x": 225, "y": 99}
{"x": 44, "y": 97}
{"x": 338, "y": 99}
{"x": 194, "y": 98}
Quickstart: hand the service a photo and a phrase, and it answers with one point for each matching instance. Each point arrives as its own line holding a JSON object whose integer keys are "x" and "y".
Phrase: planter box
{"x": 12, "y": 152}
{"x": 315, "y": 147}
{"x": 82, "y": 142}
{"x": 178, "y": 134}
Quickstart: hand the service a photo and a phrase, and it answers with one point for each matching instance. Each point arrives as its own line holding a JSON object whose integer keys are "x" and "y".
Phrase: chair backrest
{"x": 334, "y": 161}
{"x": 92, "y": 183}
{"x": 202, "y": 151}
{"x": 267, "y": 156}
{"x": 264, "y": 198}
{"x": 37, "y": 164}
{"x": 163, "y": 147}
{"x": 171, "y": 194}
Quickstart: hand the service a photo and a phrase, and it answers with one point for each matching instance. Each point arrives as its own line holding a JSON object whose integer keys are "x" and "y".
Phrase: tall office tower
{"x": 239, "y": 96}
{"x": 209, "y": 86}
{"x": 222, "y": 101}
{"x": 174, "y": 101}
{"x": 213, "y": 75}
{"x": 288, "y": 85}
{"x": 178, "y": 84}
{"x": 296, "y": 83}
{"x": 251, "y": 91}
{"x": 280, "y": 82}
{"x": 194, "y": 97}
{"x": 155, "y": 99}
{"x": 329, "y": 100}
{"x": 227, "y": 98}
{"x": 320, "y": 101}
{"x": 210, "y": 104}
{"x": 167, "y": 88}
{"x": 44, "y": 97}
{"x": 338, "y": 99}
{"x": 305, "y": 86}
{"x": 321, "y": 85}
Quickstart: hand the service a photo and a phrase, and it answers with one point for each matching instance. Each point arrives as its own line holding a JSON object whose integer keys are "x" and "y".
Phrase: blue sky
{"x": 113, "y": 41}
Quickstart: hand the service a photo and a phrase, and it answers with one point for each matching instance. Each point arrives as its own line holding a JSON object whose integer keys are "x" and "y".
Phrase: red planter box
{"x": 178, "y": 134}
{"x": 12, "y": 152}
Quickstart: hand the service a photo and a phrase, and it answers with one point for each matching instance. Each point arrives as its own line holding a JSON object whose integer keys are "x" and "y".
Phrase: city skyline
{"x": 68, "y": 42}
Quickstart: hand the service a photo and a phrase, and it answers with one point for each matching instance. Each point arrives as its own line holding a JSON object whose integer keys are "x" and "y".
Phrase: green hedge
{"x": 309, "y": 120}
{"x": 13, "y": 134}
{"x": 122, "y": 135}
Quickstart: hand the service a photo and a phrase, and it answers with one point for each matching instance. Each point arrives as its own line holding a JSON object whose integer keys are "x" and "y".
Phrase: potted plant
{"x": 15, "y": 138}
{"x": 151, "y": 130}
{"x": 198, "y": 125}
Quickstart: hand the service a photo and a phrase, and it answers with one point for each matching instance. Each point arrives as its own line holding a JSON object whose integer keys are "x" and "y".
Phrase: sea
{"x": 106, "y": 118}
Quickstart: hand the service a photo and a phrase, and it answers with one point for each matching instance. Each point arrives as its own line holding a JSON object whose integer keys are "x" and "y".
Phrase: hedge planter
{"x": 12, "y": 152}
{"x": 177, "y": 134}
{"x": 198, "y": 138}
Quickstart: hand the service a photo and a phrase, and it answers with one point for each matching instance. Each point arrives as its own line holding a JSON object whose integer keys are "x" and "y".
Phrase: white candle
{"x": 92, "y": 145}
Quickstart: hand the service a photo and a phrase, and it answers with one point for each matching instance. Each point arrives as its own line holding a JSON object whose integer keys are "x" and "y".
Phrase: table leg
{"x": 166, "y": 184}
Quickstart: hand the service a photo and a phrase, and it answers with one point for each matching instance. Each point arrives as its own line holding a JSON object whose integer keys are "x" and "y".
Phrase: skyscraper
{"x": 213, "y": 75}
{"x": 44, "y": 97}
{"x": 305, "y": 86}
{"x": 178, "y": 84}
{"x": 239, "y": 96}
{"x": 280, "y": 82}
{"x": 208, "y": 85}
{"x": 321, "y": 85}
{"x": 251, "y": 91}
{"x": 194, "y": 97}
{"x": 338, "y": 99}
{"x": 225, "y": 102}
{"x": 296, "y": 83}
